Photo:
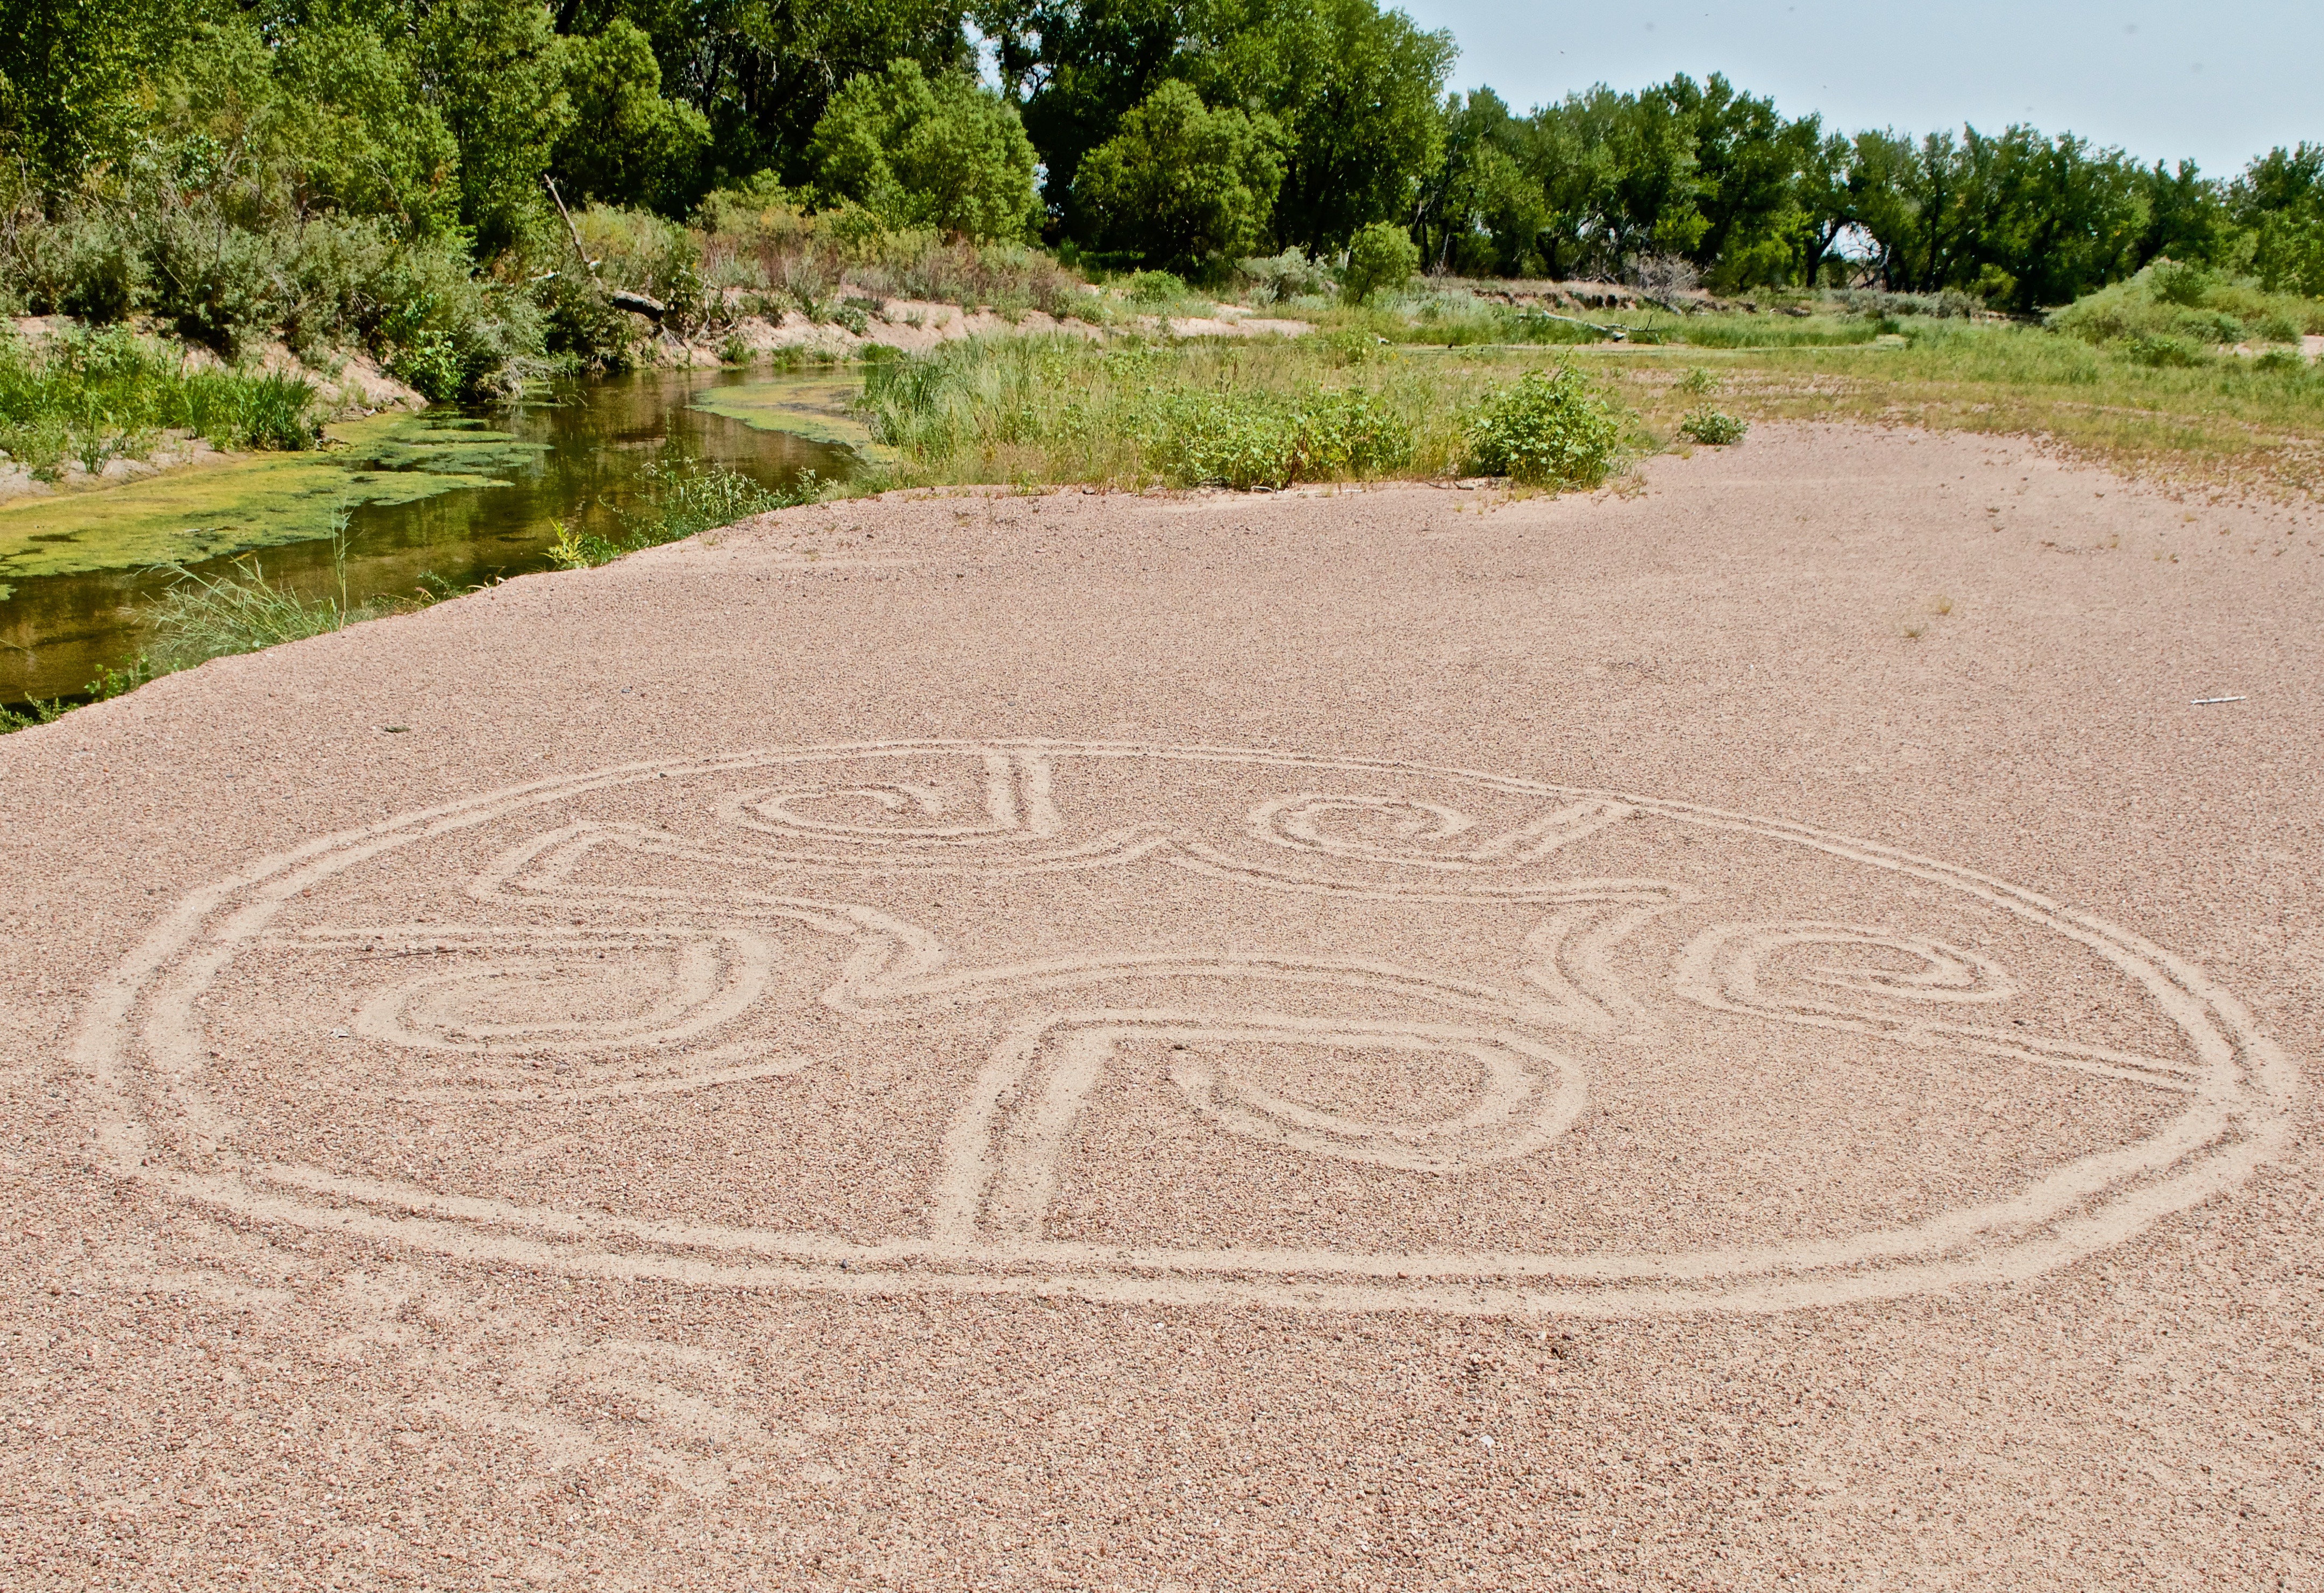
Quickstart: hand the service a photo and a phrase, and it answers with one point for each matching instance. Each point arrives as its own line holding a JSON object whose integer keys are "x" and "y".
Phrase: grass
{"x": 1134, "y": 413}
{"x": 685, "y": 497}
{"x": 100, "y": 395}
{"x": 2219, "y": 422}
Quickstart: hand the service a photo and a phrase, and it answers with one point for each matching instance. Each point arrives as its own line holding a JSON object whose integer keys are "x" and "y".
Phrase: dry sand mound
{"x": 1388, "y": 1039}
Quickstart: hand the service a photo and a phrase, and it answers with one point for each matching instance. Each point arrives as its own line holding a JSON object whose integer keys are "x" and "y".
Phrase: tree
{"x": 69, "y": 74}
{"x": 1181, "y": 186}
{"x": 492, "y": 69}
{"x": 2280, "y": 201}
{"x": 920, "y": 153}
{"x": 627, "y": 144}
{"x": 365, "y": 141}
{"x": 1749, "y": 165}
{"x": 1355, "y": 88}
{"x": 763, "y": 72}
{"x": 1351, "y": 88}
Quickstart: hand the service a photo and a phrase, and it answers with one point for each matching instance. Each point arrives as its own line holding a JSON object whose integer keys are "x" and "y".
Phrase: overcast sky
{"x": 2218, "y": 81}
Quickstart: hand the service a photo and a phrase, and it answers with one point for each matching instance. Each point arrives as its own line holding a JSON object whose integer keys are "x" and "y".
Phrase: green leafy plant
{"x": 1714, "y": 428}
{"x": 1551, "y": 428}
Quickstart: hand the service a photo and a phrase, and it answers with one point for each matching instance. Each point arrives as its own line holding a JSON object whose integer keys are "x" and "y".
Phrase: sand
{"x": 1751, "y": 1031}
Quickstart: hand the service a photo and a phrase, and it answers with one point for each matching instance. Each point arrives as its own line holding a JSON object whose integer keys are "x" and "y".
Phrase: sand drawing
{"x": 1449, "y": 986}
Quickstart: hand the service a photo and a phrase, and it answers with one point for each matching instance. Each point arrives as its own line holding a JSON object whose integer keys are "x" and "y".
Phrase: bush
{"x": 1348, "y": 433}
{"x": 2169, "y": 313}
{"x": 86, "y": 267}
{"x": 1382, "y": 254}
{"x": 1714, "y": 428}
{"x": 1154, "y": 288}
{"x": 1551, "y": 429}
{"x": 2164, "y": 349}
{"x": 1258, "y": 440}
{"x": 1288, "y": 275}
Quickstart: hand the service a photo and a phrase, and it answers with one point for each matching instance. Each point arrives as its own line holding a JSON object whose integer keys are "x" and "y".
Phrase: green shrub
{"x": 2169, "y": 313}
{"x": 1261, "y": 441}
{"x": 1221, "y": 439}
{"x": 1714, "y": 428}
{"x": 2163, "y": 349}
{"x": 1381, "y": 255}
{"x": 1551, "y": 429}
{"x": 1291, "y": 274}
{"x": 94, "y": 272}
{"x": 1155, "y": 289}
{"x": 1348, "y": 433}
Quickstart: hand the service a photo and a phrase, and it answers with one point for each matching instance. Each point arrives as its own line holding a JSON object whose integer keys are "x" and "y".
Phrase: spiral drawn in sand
{"x": 1903, "y": 988}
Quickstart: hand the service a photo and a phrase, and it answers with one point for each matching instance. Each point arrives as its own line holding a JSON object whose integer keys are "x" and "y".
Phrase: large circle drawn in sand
{"x": 1197, "y": 1024}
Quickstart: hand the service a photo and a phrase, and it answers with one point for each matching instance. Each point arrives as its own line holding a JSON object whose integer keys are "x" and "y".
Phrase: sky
{"x": 2217, "y": 82}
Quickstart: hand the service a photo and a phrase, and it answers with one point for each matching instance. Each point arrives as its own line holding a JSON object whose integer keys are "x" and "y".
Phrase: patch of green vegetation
{"x": 203, "y": 617}
{"x": 100, "y": 395}
{"x": 1714, "y": 429}
{"x": 1552, "y": 427}
{"x": 820, "y": 408}
{"x": 2228, "y": 421}
{"x": 684, "y": 498}
{"x": 1259, "y": 412}
{"x": 260, "y": 501}
{"x": 2171, "y": 314}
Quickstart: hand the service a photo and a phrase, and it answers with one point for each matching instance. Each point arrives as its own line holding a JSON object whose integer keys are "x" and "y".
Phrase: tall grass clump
{"x": 203, "y": 616}
{"x": 98, "y": 394}
{"x": 685, "y": 496}
{"x": 1551, "y": 428}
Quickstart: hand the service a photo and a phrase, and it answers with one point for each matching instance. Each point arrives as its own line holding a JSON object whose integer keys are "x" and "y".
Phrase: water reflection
{"x": 56, "y": 632}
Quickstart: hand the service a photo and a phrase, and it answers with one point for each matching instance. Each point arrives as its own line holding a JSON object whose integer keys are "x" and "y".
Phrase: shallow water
{"x": 474, "y": 509}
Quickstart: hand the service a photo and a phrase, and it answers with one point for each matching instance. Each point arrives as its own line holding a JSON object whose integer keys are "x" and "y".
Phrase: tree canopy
{"x": 1169, "y": 132}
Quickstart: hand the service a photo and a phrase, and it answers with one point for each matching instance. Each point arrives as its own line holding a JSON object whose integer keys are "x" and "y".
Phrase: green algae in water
{"x": 254, "y": 500}
{"x": 817, "y": 408}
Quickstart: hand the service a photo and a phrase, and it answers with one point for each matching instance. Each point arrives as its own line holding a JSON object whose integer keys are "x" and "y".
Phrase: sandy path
{"x": 1750, "y": 1034}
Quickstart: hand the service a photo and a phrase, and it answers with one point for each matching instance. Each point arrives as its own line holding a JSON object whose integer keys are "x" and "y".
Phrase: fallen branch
{"x": 653, "y": 309}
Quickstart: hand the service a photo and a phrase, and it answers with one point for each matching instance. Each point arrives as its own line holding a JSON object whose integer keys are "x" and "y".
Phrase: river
{"x": 452, "y": 499}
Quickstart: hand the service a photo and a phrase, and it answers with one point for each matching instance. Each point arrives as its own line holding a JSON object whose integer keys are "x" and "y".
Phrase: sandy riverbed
{"x": 1399, "y": 1038}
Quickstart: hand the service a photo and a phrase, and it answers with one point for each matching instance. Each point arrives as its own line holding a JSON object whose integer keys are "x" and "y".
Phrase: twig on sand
{"x": 2207, "y": 702}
